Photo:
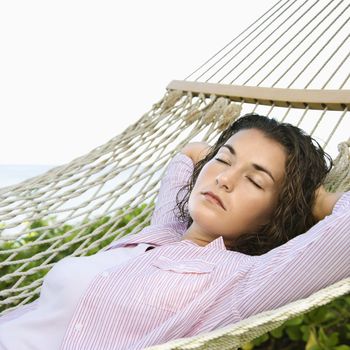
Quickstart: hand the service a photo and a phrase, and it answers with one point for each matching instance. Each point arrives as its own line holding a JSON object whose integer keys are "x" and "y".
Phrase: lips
{"x": 216, "y": 198}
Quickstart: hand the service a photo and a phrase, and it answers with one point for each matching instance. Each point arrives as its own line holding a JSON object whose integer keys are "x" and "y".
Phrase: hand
{"x": 196, "y": 151}
{"x": 318, "y": 207}
{"x": 324, "y": 203}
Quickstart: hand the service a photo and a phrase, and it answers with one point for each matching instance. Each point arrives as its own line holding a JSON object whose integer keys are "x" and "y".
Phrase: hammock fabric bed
{"x": 291, "y": 64}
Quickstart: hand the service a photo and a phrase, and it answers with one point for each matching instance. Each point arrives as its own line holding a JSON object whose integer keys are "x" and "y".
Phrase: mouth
{"x": 214, "y": 198}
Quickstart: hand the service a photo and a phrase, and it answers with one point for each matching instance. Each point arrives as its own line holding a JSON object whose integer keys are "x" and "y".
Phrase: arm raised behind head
{"x": 176, "y": 176}
{"x": 196, "y": 151}
{"x": 303, "y": 265}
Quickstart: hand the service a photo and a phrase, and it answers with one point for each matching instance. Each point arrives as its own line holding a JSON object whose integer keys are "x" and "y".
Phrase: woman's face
{"x": 236, "y": 192}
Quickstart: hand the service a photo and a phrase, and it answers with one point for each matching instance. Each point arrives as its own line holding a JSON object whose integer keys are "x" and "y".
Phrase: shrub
{"x": 324, "y": 328}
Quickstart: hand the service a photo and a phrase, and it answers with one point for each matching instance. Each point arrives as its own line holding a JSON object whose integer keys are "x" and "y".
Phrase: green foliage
{"x": 324, "y": 328}
{"x": 34, "y": 245}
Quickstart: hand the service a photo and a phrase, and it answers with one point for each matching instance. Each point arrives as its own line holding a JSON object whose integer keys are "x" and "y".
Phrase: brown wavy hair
{"x": 306, "y": 168}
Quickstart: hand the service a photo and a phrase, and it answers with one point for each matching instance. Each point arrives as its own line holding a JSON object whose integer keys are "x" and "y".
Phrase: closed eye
{"x": 222, "y": 161}
{"x": 254, "y": 183}
{"x": 249, "y": 178}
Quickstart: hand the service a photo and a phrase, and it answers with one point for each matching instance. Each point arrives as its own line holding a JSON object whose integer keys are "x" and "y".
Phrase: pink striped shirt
{"x": 180, "y": 289}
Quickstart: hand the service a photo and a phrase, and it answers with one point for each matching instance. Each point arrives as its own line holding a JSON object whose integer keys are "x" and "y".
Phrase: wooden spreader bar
{"x": 336, "y": 100}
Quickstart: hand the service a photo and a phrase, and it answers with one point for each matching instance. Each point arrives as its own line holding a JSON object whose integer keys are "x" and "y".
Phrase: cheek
{"x": 192, "y": 205}
{"x": 200, "y": 184}
{"x": 202, "y": 177}
{"x": 264, "y": 211}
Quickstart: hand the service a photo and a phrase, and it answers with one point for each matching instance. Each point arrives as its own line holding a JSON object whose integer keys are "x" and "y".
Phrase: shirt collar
{"x": 155, "y": 235}
{"x": 217, "y": 243}
{"x": 161, "y": 235}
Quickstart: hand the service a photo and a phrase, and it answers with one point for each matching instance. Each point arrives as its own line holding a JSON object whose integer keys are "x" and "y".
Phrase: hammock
{"x": 291, "y": 64}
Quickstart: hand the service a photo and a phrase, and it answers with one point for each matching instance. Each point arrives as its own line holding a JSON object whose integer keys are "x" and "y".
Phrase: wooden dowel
{"x": 336, "y": 100}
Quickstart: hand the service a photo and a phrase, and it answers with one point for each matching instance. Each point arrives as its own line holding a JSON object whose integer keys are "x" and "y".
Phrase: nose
{"x": 227, "y": 179}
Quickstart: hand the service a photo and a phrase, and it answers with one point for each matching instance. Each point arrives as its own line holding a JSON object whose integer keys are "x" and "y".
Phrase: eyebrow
{"x": 255, "y": 166}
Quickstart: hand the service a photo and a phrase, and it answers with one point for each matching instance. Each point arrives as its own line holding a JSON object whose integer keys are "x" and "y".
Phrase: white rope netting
{"x": 79, "y": 208}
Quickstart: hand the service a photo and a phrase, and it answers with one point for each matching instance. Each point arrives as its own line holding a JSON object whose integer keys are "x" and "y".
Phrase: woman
{"x": 232, "y": 248}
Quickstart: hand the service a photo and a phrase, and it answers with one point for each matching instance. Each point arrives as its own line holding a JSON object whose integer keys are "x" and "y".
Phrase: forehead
{"x": 253, "y": 146}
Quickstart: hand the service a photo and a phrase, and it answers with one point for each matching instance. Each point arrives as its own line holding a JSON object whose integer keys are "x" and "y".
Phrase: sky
{"x": 74, "y": 74}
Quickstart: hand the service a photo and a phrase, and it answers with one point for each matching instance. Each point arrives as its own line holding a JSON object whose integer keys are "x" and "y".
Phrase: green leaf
{"x": 311, "y": 341}
{"x": 328, "y": 340}
{"x": 333, "y": 339}
{"x": 296, "y": 321}
{"x": 318, "y": 315}
{"x": 315, "y": 347}
{"x": 294, "y": 333}
{"x": 277, "y": 332}
{"x": 248, "y": 346}
{"x": 258, "y": 341}
{"x": 305, "y": 330}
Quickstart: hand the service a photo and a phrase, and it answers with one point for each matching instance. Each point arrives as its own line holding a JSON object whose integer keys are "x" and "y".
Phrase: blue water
{"x": 14, "y": 173}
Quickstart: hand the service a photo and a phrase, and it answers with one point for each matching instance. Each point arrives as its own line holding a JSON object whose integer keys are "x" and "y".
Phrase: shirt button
{"x": 105, "y": 274}
{"x": 78, "y": 327}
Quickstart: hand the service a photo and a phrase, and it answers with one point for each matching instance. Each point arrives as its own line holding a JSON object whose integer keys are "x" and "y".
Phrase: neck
{"x": 197, "y": 237}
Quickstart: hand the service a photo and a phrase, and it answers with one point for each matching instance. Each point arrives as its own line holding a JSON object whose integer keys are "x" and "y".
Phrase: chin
{"x": 207, "y": 222}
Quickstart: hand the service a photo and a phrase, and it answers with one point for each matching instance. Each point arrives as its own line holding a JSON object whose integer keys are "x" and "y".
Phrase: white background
{"x": 73, "y": 74}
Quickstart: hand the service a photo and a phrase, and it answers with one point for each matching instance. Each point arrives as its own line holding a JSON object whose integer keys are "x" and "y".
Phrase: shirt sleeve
{"x": 20, "y": 311}
{"x": 176, "y": 176}
{"x": 300, "y": 267}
